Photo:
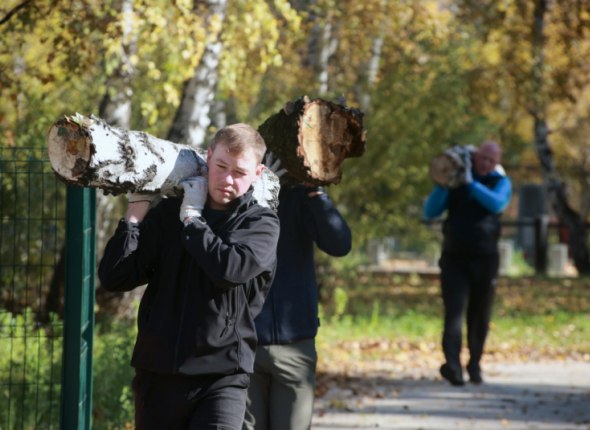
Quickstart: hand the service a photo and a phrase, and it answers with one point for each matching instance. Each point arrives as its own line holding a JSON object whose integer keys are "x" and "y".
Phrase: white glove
{"x": 195, "y": 197}
{"x": 468, "y": 178}
{"x": 273, "y": 163}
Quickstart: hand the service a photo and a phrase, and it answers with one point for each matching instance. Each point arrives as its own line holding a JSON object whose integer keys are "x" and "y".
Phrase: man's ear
{"x": 209, "y": 154}
{"x": 259, "y": 170}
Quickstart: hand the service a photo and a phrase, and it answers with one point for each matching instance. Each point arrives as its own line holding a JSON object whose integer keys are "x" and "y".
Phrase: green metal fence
{"x": 79, "y": 309}
{"x": 33, "y": 283}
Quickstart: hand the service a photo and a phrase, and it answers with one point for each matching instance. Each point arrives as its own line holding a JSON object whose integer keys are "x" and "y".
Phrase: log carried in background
{"x": 448, "y": 168}
{"x": 86, "y": 151}
{"x": 313, "y": 137}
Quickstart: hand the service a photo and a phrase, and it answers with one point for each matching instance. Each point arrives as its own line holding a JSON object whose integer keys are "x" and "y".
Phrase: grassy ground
{"x": 387, "y": 325}
{"x": 393, "y": 324}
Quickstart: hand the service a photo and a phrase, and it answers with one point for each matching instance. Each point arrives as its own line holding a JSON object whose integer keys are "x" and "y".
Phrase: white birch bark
{"x": 329, "y": 45}
{"x": 321, "y": 46}
{"x": 192, "y": 117}
{"x": 371, "y": 72}
{"x": 116, "y": 108}
{"x": 324, "y": 58}
{"x": 88, "y": 152}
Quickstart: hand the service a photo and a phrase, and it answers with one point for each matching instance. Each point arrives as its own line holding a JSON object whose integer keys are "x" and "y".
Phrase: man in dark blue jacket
{"x": 281, "y": 392}
{"x": 207, "y": 276}
{"x": 469, "y": 262}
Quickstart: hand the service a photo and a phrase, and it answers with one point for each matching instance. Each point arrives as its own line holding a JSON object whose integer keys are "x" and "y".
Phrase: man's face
{"x": 230, "y": 175}
{"x": 486, "y": 159}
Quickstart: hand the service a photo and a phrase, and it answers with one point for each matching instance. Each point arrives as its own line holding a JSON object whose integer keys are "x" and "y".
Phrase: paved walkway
{"x": 542, "y": 396}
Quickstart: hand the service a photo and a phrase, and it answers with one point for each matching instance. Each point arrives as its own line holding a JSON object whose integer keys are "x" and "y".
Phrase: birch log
{"x": 88, "y": 152}
{"x": 313, "y": 137}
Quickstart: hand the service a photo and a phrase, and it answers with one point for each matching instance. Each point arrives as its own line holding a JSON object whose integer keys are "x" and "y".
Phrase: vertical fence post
{"x": 76, "y": 398}
{"x": 541, "y": 238}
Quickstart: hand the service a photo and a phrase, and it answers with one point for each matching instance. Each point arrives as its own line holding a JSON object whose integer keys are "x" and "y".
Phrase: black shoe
{"x": 474, "y": 373}
{"x": 454, "y": 376}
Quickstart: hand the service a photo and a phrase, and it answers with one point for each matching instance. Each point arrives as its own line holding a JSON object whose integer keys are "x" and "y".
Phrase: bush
{"x": 30, "y": 372}
{"x": 112, "y": 395}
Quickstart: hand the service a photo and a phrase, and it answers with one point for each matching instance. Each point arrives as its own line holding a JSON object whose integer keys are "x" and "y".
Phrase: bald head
{"x": 487, "y": 157}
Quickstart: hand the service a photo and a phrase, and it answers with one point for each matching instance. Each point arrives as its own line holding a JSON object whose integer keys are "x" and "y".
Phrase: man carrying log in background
{"x": 474, "y": 201}
{"x": 208, "y": 260}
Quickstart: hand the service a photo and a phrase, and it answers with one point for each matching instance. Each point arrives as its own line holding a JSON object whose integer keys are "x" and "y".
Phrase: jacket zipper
{"x": 179, "y": 336}
{"x": 236, "y": 331}
{"x": 274, "y": 324}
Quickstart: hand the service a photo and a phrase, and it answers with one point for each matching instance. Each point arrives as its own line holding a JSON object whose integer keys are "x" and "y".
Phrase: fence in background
{"x": 537, "y": 238}
{"x": 32, "y": 216}
{"x": 42, "y": 261}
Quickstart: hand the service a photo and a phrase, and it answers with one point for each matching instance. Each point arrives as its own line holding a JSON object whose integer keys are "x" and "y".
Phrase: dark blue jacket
{"x": 290, "y": 312}
{"x": 205, "y": 284}
{"x": 472, "y": 225}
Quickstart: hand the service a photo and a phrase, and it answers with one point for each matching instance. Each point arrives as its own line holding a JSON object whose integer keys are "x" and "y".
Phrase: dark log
{"x": 313, "y": 137}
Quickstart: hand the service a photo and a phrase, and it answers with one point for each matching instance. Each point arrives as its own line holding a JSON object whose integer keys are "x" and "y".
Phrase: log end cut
{"x": 312, "y": 138}
{"x": 70, "y": 149}
{"x": 328, "y": 134}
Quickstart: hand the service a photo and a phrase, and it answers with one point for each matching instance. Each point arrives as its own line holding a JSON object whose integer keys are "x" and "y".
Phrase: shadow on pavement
{"x": 527, "y": 396}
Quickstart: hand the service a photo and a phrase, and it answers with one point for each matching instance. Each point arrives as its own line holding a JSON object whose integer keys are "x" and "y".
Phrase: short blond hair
{"x": 238, "y": 138}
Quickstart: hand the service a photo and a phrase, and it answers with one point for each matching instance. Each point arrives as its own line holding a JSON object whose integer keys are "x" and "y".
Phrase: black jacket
{"x": 470, "y": 228}
{"x": 290, "y": 312}
{"x": 205, "y": 284}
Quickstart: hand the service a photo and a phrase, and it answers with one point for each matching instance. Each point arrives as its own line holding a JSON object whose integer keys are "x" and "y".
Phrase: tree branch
{"x": 14, "y": 11}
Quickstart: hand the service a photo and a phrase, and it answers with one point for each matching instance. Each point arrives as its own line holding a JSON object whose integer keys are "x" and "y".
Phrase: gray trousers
{"x": 281, "y": 391}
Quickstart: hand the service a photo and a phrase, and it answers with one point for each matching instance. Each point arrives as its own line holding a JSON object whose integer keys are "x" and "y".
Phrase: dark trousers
{"x": 215, "y": 402}
{"x": 281, "y": 391}
{"x": 472, "y": 281}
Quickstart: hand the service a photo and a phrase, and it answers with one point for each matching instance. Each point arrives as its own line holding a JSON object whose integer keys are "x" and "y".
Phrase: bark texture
{"x": 88, "y": 152}
{"x": 192, "y": 116}
{"x": 313, "y": 137}
{"x": 115, "y": 109}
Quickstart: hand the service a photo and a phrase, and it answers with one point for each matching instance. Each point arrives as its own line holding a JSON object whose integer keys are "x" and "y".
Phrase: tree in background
{"x": 428, "y": 74}
{"x": 539, "y": 82}
{"x": 125, "y": 61}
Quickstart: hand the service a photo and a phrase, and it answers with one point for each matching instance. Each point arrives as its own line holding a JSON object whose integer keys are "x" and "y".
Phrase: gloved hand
{"x": 456, "y": 153}
{"x": 468, "y": 176}
{"x": 195, "y": 197}
{"x": 273, "y": 163}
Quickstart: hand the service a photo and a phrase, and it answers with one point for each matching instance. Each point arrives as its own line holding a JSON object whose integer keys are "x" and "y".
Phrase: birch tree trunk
{"x": 192, "y": 117}
{"x": 116, "y": 108}
{"x": 327, "y": 47}
{"x": 89, "y": 152}
{"x": 321, "y": 45}
{"x": 369, "y": 75}
{"x": 578, "y": 244}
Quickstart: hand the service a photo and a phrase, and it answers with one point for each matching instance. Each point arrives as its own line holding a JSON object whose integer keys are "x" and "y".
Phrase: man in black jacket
{"x": 207, "y": 276}
{"x": 281, "y": 392}
{"x": 470, "y": 260}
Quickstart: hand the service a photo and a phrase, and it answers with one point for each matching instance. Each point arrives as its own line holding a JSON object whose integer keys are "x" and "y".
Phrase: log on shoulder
{"x": 313, "y": 137}
{"x": 88, "y": 152}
